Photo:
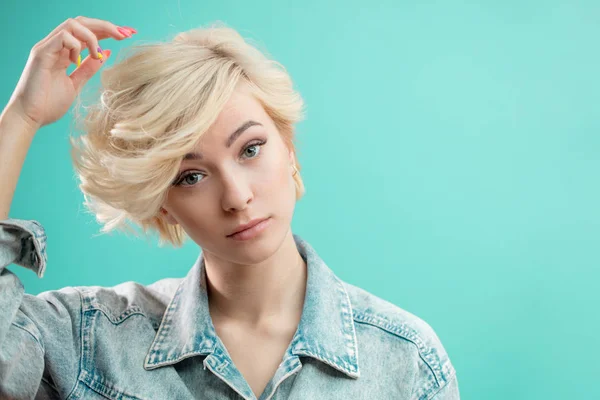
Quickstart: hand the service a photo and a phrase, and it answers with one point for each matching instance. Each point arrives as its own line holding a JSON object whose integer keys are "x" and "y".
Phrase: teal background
{"x": 450, "y": 154}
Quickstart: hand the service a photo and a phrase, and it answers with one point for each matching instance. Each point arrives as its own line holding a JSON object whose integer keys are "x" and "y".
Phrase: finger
{"x": 86, "y": 70}
{"x": 63, "y": 41}
{"x": 101, "y": 28}
{"x": 83, "y": 34}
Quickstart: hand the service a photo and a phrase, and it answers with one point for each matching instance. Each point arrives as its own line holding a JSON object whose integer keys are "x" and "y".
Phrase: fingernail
{"x": 124, "y": 32}
{"x": 130, "y": 28}
{"x": 100, "y": 55}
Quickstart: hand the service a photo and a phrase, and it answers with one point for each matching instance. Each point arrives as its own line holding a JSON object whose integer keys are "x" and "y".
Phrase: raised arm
{"x": 40, "y": 335}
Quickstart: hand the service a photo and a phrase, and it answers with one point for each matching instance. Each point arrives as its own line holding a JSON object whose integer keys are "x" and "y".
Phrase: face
{"x": 232, "y": 185}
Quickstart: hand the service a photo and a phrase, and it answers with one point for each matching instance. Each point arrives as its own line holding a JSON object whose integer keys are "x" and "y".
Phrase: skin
{"x": 256, "y": 288}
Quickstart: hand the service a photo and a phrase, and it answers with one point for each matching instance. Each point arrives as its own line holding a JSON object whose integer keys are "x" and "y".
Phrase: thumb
{"x": 87, "y": 69}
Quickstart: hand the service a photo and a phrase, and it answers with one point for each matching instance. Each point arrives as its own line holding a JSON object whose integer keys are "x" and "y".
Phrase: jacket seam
{"x": 351, "y": 312}
{"x": 450, "y": 377}
{"x": 121, "y": 317}
{"x": 32, "y": 335}
{"x": 108, "y": 388}
{"x": 81, "y": 314}
{"x": 375, "y": 324}
{"x": 94, "y": 305}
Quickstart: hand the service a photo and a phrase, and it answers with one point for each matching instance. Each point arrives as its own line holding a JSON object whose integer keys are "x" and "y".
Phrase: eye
{"x": 183, "y": 178}
{"x": 256, "y": 146}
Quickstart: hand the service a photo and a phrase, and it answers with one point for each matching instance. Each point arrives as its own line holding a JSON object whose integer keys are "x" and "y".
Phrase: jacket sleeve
{"x": 449, "y": 391}
{"x": 40, "y": 342}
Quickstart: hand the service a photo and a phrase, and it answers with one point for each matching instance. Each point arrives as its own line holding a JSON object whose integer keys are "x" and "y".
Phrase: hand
{"x": 45, "y": 92}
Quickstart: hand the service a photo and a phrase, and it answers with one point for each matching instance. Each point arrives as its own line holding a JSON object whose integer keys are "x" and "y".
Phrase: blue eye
{"x": 183, "y": 178}
{"x": 253, "y": 146}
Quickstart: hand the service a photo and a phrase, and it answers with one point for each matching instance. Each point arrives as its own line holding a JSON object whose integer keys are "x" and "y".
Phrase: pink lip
{"x": 254, "y": 230}
{"x": 249, "y": 225}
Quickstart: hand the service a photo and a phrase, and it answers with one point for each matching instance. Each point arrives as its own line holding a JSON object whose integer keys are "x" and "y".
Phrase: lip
{"x": 253, "y": 232}
{"x": 249, "y": 225}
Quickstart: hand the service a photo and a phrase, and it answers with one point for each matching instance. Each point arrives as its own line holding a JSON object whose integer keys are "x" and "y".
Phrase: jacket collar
{"x": 325, "y": 332}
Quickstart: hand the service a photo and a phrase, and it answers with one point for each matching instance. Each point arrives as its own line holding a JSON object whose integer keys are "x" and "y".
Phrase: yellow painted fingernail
{"x": 79, "y": 60}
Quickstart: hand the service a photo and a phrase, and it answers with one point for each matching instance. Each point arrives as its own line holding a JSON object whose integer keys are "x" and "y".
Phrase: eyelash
{"x": 182, "y": 177}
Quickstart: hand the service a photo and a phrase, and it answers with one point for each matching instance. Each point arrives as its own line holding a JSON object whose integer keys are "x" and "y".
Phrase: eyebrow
{"x": 230, "y": 140}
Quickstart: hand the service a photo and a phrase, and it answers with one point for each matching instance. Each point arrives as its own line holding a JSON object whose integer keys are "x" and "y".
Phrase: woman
{"x": 192, "y": 138}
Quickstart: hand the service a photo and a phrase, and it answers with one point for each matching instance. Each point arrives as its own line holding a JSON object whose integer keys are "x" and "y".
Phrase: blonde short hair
{"x": 154, "y": 107}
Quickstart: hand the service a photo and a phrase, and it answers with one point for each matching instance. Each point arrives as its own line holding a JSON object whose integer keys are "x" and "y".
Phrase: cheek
{"x": 278, "y": 178}
{"x": 184, "y": 207}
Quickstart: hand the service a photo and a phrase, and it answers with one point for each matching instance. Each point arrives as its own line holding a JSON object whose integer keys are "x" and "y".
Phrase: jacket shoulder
{"x": 120, "y": 301}
{"x": 370, "y": 309}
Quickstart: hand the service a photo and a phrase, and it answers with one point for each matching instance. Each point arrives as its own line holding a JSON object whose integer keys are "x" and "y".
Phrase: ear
{"x": 168, "y": 216}
{"x": 291, "y": 155}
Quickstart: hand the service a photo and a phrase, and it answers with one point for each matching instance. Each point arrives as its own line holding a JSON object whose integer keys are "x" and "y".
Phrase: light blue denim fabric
{"x": 158, "y": 341}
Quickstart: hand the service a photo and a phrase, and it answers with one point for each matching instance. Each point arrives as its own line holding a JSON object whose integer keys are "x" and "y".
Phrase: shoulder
{"x": 396, "y": 324}
{"x": 127, "y": 298}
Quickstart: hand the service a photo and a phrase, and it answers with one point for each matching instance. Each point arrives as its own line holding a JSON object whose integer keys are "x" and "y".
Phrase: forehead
{"x": 242, "y": 111}
{"x": 240, "y": 107}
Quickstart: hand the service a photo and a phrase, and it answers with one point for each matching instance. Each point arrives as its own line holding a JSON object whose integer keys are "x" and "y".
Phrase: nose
{"x": 237, "y": 193}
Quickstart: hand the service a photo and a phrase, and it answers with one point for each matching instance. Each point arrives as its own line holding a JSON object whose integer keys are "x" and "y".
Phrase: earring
{"x": 295, "y": 170}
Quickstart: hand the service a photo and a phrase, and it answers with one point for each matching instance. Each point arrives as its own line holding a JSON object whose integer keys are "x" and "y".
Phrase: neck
{"x": 266, "y": 295}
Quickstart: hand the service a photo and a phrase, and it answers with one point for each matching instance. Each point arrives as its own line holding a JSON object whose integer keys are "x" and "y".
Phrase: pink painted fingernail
{"x": 124, "y": 32}
{"x": 130, "y": 29}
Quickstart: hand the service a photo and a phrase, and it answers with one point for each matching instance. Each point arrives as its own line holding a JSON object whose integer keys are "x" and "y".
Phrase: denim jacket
{"x": 158, "y": 341}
